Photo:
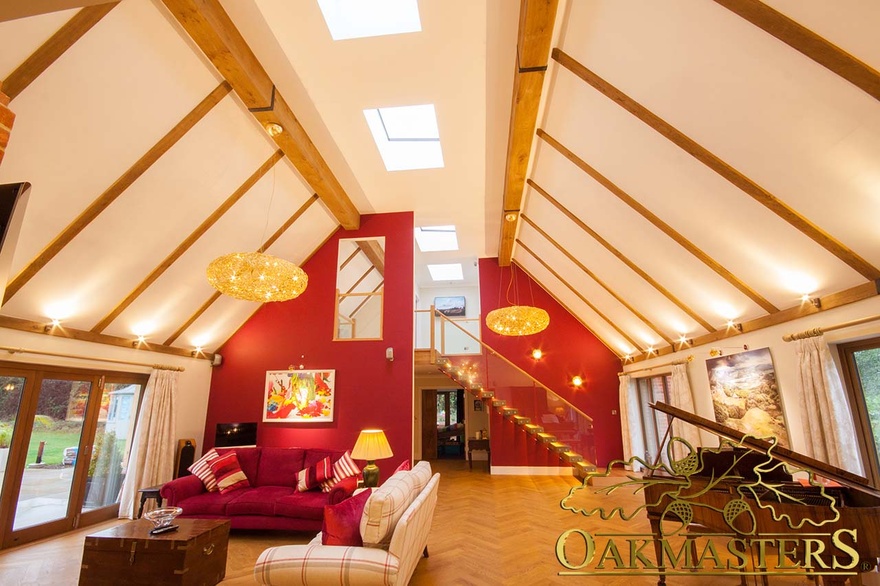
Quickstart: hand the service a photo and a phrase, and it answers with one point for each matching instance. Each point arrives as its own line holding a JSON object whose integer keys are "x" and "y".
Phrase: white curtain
{"x": 682, "y": 397}
{"x": 630, "y": 424}
{"x": 151, "y": 462}
{"x": 827, "y": 419}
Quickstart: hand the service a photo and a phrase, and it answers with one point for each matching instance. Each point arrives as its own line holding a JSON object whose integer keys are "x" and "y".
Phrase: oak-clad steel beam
{"x": 536, "y": 20}
{"x": 579, "y": 295}
{"x": 826, "y": 302}
{"x": 802, "y": 39}
{"x": 596, "y": 278}
{"x": 119, "y": 186}
{"x": 40, "y": 60}
{"x": 659, "y": 224}
{"x": 269, "y": 242}
{"x": 758, "y": 193}
{"x": 189, "y": 241}
{"x": 373, "y": 251}
{"x": 214, "y": 32}
{"x": 62, "y": 331}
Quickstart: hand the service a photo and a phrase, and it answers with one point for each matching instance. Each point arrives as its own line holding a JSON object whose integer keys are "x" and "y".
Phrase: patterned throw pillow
{"x": 342, "y": 521}
{"x": 311, "y": 477}
{"x": 343, "y": 468}
{"x": 405, "y": 465}
{"x": 201, "y": 468}
{"x": 228, "y": 472}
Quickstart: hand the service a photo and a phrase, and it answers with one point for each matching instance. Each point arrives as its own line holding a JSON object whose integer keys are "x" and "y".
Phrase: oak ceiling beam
{"x": 214, "y": 32}
{"x": 189, "y": 241}
{"x": 23, "y": 325}
{"x": 119, "y": 186}
{"x": 739, "y": 180}
{"x": 536, "y": 20}
{"x": 596, "y": 278}
{"x": 622, "y": 257}
{"x": 660, "y": 224}
{"x": 839, "y": 299}
{"x": 269, "y": 242}
{"x": 12, "y": 10}
{"x": 579, "y": 295}
{"x": 802, "y": 39}
{"x": 373, "y": 251}
{"x": 41, "y": 59}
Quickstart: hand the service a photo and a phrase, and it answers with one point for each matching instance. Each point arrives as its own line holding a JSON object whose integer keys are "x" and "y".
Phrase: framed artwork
{"x": 299, "y": 396}
{"x": 478, "y": 405}
{"x": 745, "y": 394}
{"x": 450, "y": 306}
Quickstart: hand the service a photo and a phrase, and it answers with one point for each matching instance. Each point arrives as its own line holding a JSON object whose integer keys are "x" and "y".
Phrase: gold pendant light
{"x": 257, "y": 276}
{"x": 517, "y": 320}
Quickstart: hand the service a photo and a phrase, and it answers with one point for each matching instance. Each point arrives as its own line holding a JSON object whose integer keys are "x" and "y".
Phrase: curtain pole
{"x": 819, "y": 331}
{"x": 76, "y": 357}
{"x": 671, "y": 363}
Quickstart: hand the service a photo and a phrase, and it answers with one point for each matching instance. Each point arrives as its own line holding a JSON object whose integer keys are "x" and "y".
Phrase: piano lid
{"x": 844, "y": 477}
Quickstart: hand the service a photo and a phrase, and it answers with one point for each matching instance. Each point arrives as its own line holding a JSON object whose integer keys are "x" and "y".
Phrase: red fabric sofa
{"x": 272, "y": 502}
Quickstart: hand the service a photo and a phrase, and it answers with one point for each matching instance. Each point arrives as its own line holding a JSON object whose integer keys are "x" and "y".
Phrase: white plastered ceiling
{"x": 793, "y": 127}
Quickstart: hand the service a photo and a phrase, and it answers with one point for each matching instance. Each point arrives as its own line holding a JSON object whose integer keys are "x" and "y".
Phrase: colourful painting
{"x": 745, "y": 394}
{"x": 299, "y": 396}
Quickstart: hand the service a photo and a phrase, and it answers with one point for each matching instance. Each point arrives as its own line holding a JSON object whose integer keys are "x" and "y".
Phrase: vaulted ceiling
{"x": 661, "y": 168}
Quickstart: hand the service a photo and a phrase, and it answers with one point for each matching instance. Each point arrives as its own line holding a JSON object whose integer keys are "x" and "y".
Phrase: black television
{"x": 235, "y": 434}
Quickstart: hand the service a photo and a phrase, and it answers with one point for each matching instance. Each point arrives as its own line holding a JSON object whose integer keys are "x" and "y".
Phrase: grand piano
{"x": 745, "y": 490}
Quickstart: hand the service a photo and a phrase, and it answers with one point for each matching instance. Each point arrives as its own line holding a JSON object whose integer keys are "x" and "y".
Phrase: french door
{"x": 68, "y": 434}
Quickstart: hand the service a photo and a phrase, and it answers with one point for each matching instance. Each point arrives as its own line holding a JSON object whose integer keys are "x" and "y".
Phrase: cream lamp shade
{"x": 371, "y": 445}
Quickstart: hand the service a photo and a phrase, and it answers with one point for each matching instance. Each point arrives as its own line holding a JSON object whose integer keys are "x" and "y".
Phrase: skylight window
{"x": 450, "y": 272}
{"x": 436, "y": 238}
{"x": 356, "y": 19}
{"x": 407, "y": 136}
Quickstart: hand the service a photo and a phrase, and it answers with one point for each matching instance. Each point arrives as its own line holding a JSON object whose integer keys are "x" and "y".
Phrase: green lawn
{"x": 56, "y": 441}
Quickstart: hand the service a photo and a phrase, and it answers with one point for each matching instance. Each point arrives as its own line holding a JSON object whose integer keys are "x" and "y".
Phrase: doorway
{"x": 443, "y": 423}
{"x": 68, "y": 433}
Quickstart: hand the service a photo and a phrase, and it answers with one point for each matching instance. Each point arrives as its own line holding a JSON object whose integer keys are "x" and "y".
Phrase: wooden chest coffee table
{"x": 194, "y": 555}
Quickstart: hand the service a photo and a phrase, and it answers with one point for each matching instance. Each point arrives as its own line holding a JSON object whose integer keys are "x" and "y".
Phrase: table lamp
{"x": 371, "y": 445}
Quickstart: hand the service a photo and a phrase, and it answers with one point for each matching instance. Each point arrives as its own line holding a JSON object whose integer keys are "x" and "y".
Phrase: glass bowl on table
{"x": 163, "y": 518}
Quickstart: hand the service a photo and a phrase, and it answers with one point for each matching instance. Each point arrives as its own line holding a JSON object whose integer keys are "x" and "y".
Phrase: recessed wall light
{"x": 537, "y": 354}
{"x": 577, "y": 381}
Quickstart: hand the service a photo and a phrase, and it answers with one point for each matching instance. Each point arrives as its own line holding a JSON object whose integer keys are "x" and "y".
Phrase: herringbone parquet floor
{"x": 487, "y": 530}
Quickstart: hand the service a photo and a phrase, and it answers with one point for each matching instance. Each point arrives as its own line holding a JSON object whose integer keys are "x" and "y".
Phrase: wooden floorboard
{"x": 487, "y": 530}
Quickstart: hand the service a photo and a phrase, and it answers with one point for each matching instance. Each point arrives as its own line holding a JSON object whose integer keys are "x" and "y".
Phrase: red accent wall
{"x": 371, "y": 392}
{"x": 569, "y": 349}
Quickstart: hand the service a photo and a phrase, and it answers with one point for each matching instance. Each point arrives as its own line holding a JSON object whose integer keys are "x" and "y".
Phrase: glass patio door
{"x": 70, "y": 433}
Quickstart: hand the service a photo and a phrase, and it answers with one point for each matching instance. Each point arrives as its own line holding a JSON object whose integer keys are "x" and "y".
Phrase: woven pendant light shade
{"x": 256, "y": 276}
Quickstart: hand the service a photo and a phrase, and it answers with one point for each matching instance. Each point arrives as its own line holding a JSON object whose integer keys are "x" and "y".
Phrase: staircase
{"x": 557, "y": 429}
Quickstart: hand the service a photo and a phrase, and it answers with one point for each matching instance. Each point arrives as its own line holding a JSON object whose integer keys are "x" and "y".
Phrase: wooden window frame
{"x": 856, "y": 396}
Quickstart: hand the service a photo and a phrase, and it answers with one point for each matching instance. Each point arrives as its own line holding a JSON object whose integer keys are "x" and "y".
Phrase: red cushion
{"x": 313, "y": 476}
{"x": 342, "y": 522}
{"x": 343, "y": 468}
{"x": 228, "y": 473}
{"x": 405, "y": 465}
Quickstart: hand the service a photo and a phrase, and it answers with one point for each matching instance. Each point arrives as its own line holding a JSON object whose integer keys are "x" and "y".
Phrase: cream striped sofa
{"x": 394, "y": 526}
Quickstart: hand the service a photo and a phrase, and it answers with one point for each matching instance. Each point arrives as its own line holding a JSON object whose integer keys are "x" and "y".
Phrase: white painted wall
{"x": 784, "y": 359}
{"x": 195, "y": 381}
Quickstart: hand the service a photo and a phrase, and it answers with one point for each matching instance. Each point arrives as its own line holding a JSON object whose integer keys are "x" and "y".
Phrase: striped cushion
{"x": 312, "y": 476}
{"x": 387, "y": 504}
{"x": 343, "y": 468}
{"x": 228, "y": 473}
{"x": 201, "y": 468}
